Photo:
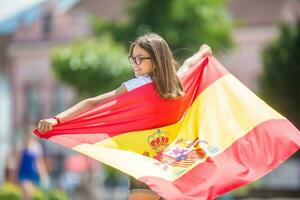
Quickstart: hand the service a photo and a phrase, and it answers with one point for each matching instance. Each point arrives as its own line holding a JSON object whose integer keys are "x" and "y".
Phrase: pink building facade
{"x": 36, "y": 93}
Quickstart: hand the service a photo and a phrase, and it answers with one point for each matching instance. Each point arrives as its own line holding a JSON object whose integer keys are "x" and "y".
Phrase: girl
{"x": 151, "y": 60}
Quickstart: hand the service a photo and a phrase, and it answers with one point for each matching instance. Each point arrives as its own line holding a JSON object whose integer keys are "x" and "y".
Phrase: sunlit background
{"x": 53, "y": 53}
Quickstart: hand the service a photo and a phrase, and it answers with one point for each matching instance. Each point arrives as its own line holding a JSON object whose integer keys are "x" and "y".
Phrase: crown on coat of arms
{"x": 158, "y": 141}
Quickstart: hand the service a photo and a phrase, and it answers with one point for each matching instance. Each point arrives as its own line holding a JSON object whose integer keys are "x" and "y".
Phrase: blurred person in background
{"x": 31, "y": 165}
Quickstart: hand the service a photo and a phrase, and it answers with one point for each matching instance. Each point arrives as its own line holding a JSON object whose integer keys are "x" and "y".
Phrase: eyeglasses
{"x": 137, "y": 59}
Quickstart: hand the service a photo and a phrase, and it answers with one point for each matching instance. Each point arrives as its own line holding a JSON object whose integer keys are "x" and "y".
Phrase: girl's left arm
{"x": 204, "y": 50}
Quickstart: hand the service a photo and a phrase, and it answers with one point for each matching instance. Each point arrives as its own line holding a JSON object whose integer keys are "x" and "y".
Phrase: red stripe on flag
{"x": 246, "y": 160}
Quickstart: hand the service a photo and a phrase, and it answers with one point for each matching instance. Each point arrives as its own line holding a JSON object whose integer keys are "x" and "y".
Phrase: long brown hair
{"x": 164, "y": 74}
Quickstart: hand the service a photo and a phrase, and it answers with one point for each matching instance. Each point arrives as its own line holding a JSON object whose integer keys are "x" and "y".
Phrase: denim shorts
{"x": 134, "y": 184}
{"x": 138, "y": 186}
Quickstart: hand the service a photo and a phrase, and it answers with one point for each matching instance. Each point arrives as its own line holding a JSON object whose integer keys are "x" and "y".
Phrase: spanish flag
{"x": 218, "y": 137}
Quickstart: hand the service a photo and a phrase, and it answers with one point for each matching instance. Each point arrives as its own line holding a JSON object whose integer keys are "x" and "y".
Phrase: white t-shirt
{"x": 142, "y": 80}
{"x": 137, "y": 82}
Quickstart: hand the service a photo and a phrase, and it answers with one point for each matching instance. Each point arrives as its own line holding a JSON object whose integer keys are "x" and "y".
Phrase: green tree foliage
{"x": 92, "y": 66}
{"x": 280, "y": 82}
{"x": 184, "y": 24}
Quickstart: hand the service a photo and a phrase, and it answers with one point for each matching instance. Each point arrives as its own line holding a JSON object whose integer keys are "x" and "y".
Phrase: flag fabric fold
{"x": 219, "y": 136}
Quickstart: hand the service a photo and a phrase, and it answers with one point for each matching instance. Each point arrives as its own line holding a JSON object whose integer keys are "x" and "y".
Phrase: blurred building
{"x": 29, "y": 30}
{"x": 42, "y": 26}
{"x": 256, "y": 25}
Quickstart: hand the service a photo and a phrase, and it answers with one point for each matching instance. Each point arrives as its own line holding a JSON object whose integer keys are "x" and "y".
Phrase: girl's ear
{"x": 153, "y": 66}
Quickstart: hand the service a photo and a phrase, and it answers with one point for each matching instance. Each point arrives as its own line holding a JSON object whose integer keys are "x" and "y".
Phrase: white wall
{"x": 5, "y": 122}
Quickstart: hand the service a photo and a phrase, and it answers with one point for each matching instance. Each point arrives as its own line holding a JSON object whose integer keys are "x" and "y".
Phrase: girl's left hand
{"x": 205, "y": 50}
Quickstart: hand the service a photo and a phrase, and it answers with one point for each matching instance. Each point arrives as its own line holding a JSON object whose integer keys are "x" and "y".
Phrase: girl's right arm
{"x": 85, "y": 105}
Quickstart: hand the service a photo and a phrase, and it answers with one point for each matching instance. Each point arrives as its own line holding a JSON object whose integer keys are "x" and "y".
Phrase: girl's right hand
{"x": 46, "y": 124}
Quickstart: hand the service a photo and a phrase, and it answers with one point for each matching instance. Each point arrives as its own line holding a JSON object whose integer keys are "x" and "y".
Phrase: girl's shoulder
{"x": 137, "y": 82}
